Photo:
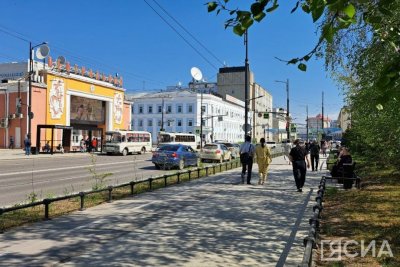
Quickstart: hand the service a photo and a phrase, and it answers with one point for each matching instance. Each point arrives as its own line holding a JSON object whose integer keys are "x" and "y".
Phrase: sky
{"x": 153, "y": 44}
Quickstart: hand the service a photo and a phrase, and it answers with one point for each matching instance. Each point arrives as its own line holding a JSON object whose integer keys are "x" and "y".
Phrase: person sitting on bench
{"x": 343, "y": 158}
{"x": 60, "y": 148}
{"x": 46, "y": 147}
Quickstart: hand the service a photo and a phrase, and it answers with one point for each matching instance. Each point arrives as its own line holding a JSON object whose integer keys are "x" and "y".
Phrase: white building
{"x": 179, "y": 111}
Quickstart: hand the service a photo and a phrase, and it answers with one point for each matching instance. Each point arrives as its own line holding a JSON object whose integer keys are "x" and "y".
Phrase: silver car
{"x": 234, "y": 148}
{"x": 215, "y": 152}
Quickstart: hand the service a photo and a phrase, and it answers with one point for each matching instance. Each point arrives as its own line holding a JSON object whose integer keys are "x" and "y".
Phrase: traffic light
{"x": 266, "y": 115}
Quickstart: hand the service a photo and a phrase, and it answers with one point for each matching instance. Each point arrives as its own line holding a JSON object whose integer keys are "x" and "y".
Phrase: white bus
{"x": 178, "y": 138}
{"x": 125, "y": 142}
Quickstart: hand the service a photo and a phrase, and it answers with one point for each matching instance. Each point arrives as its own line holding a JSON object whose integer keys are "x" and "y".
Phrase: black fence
{"x": 310, "y": 241}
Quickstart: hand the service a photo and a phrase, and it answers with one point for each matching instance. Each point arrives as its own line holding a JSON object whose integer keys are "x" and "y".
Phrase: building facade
{"x": 84, "y": 102}
{"x": 231, "y": 81}
{"x": 316, "y": 122}
{"x": 179, "y": 111}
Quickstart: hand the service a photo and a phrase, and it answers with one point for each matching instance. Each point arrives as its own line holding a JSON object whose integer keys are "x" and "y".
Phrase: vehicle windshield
{"x": 113, "y": 138}
{"x": 169, "y": 148}
{"x": 211, "y": 146}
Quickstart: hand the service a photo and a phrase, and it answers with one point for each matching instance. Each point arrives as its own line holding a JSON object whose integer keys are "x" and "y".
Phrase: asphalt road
{"x": 49, "y": 177}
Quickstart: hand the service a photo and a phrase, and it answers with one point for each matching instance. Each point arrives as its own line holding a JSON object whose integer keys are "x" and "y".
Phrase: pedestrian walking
{"x": 246, "y": 158}
{"x": 324, "y": 146}
{"x": 82, "y": 145}
{"x": 11, "y": 145}
{"x": 314, "y": 153}
{"x": 287, "y": 147}
{"x": 299, "y": 156}
{"x": 264, "y": 158}
{"x": 27, "y": 144}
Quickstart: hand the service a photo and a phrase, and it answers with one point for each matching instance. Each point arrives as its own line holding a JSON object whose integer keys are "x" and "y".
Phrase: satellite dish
{"x": 61, "y": 59}
{"x": 43, "y": 51}
{"x": 196, "y": 73}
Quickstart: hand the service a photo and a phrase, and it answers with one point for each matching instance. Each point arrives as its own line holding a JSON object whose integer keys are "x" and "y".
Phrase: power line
{"x": 82, "y": 59}
{"x": 183, "y": 38}
{"x": 191, "y": 35}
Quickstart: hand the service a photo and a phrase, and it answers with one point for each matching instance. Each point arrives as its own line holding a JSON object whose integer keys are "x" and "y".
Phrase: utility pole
{"x": 287, "y": 110}
{"x": 322, "y": 119}
{"x": 307, "y": 122}
{"x": 201, "y": 120}
{"x": 246, "y": 86}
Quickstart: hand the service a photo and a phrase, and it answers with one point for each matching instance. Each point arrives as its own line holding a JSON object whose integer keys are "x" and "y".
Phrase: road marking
{"x": 70, "y": 168}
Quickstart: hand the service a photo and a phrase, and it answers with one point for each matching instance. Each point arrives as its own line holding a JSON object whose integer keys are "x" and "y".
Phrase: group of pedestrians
{"x": 298, "y": 156}
{"x": 88, "y": 145}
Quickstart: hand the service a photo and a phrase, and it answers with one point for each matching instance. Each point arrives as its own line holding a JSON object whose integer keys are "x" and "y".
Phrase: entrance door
{"x": 17, "y": 139}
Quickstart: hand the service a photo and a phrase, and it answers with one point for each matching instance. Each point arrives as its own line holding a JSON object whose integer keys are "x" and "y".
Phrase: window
{"x": 203, "y": 122}
{"x": 150, "y": 122}
{"x": 179, "y": 122}
{"x": 169, "y": 109}
{"x": 140, "y": 123}
{"x": 150, "y": 109}
{"x": 169, "y": 123}
{"x": 159, "y": 109}
{"x": 203, "y": 109}
{"x": 190, "y": 123}
{"x": 179, "y": 109}
{"x": 159, "y": 123}
{"x": 190, "y": 108}
{"x": 140, "y": 109}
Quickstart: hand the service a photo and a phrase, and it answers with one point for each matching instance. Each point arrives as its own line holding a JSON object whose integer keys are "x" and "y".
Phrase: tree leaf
{"x": 293, "y": 61}
{"x": 238, "y": 29}
{"x": 328, "y": 32}
{"x": 259, "y": 17}
{"x": 211, "y": 6}
{"x": 247, "y": 22}
{"x": 350, "y": 11}
{"x": 256, "y": 8}
{"x": 317, "y": 11}
{"x": 305, "y": 8}
{"x": 272, "y": 8}
{"x": 302, "y": 67}
{"x": 379, "y": 107}
{"x": 295, "y": 7}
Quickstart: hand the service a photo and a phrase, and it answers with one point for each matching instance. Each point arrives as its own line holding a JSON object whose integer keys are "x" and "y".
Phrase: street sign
{"x": 248, "y": 128}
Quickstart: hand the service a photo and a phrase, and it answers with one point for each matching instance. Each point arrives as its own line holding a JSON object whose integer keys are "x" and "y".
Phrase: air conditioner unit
{"x": 3, "y": 123}
{"x": 11, "y": 116}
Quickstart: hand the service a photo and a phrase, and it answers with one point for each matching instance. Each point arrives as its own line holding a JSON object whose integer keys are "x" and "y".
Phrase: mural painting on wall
{"x": 87, "y": 111}
{"x": 118, "y": 104}
{"x": 56, "y": 98}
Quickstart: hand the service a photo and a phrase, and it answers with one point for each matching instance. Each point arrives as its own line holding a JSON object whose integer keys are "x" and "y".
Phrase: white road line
{"x": 70, "y": 168}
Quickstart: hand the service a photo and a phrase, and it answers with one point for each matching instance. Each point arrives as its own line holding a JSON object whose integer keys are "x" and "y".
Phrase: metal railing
{"x": 310, "y": 241}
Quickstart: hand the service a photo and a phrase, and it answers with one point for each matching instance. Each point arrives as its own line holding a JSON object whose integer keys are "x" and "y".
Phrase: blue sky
{"x": 129, "y": 38}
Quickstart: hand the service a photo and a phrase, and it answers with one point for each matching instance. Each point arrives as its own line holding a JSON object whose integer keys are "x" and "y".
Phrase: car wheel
{"x": 125, "y": 152}
{"x": 157, "y": 166}
{"x": 143, "y": 150}
{"x": 181, "y": 165}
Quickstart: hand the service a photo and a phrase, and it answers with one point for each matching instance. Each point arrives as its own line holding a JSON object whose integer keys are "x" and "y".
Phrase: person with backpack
{"x": 314, "y": 152}
{"x": 27, "y": 144}
{"x": 246, "y": 158}
{"x": 264, "y": 158}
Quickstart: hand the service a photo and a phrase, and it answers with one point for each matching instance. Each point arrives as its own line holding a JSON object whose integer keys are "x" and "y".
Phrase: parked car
{"x": 235, "y": 149}
{"x": 176, "y": 155}
{"x": 215, "y": 152}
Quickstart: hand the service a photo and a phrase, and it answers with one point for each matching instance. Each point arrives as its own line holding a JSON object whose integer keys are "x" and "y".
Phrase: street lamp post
{"x": 30, "y": 114}
{"x": 287, "y": 107}
{"x": 246, "y": 86}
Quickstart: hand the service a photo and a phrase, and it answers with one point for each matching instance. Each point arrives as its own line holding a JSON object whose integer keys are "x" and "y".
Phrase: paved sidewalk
{"x": 18, "y": 153}
{"x": 209, "y": 222}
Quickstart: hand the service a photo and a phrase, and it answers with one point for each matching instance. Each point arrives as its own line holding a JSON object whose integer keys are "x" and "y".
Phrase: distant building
{"x": 179, "y": 111}
{"x": 316, "y": 122}
{"x": 231, "y": 81}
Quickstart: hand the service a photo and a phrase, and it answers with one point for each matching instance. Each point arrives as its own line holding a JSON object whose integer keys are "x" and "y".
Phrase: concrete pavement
{"x": 212, "y": 221}
{"x": 18, "y": 153}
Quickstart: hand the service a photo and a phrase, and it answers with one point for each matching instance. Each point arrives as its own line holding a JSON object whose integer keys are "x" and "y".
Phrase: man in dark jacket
{"x": 314, "y": 152}
{"x": 298, "y": 156}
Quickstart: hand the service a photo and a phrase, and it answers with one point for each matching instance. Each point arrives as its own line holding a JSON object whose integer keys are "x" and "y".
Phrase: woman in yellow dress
{"x": 264, "y": 158}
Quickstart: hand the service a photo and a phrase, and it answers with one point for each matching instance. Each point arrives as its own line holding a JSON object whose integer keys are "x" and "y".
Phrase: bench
{"x": 348, "y": 176}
